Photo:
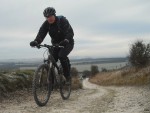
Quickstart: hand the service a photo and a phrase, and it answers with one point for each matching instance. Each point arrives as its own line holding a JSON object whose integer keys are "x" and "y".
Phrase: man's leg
{"x": 65, "y": 62}
{"x": 55, "y": 53}
{"x": 65, "y": 66}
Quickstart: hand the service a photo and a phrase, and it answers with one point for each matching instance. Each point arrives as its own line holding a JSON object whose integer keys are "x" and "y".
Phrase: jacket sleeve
{"x": 67, "y": 29}
{"x": 42, "y": 32}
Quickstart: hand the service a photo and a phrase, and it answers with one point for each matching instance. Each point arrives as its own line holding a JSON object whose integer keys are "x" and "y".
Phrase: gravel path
{"x": 130, "y": 100}
{"x": 90, "y": 99}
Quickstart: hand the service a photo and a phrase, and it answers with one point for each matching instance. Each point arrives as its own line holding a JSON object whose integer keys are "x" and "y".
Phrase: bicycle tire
{"x": 40, "y": 80}
{"x": 65, "y": 89}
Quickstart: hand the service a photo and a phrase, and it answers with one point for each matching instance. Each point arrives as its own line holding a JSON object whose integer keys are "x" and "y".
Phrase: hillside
{"x": 125, "y": 76}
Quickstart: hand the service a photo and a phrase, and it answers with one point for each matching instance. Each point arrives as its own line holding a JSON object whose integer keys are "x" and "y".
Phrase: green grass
{"x": 22, "y": 79}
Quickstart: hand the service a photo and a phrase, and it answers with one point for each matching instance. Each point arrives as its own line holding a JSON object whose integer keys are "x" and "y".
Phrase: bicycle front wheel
{"x": 41, "y": 85}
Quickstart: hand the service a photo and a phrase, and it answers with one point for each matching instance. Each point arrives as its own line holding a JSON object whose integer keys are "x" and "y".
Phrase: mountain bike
{"x": 49, "y": 76}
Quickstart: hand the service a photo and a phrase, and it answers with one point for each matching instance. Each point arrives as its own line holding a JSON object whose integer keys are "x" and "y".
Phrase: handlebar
{"x": 49, "y": 46}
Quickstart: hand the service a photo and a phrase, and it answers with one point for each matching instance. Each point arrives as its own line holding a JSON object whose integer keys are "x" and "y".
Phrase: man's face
{"x": 51, "y": 19}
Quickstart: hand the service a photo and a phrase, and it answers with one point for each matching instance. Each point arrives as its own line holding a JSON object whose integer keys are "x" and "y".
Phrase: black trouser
{"x": 61, "y": 54}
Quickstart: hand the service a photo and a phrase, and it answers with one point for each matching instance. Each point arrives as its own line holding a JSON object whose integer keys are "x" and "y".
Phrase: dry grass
{"x": 130, "y": 76}
{"x": 76, "y": 83}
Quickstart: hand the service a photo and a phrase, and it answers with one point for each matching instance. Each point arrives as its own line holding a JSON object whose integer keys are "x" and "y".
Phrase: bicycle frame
{"x": 50, "y": 57}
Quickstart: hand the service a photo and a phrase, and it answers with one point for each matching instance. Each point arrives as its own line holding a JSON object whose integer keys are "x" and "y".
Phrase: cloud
{"x": 102, "y": 27}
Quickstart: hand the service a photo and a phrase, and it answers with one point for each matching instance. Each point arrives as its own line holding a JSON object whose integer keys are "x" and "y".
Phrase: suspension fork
{"x": 41, "y": 77}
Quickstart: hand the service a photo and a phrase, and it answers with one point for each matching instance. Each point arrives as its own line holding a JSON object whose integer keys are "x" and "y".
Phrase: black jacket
{"x": 58, "y": 31}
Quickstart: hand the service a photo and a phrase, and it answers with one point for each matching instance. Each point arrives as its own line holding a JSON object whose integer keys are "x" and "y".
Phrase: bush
{"x": 10, "y": 82}
{"x": 86, "y": 73}
{"x": 103, "y": 69}
{"x": 139, "y": 54}
{"x": 94, "y": 70}
{"x": 74, "y": 71}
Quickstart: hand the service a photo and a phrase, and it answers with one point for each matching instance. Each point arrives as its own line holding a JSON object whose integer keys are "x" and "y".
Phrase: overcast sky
{"x": 103, "y": 28}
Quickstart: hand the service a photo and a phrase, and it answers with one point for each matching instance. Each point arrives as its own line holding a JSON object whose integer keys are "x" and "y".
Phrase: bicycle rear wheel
{"x": 65, "y": 87}
{"x": 42, "y": 85}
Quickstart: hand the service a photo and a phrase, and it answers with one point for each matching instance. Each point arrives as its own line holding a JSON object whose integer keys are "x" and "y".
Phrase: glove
{"x": 33, "y": 43}
{"x": 64, "y": 42}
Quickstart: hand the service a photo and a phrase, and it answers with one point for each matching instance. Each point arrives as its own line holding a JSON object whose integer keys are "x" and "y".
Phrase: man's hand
{"x": 64, "y": 42}
{"x": 33, "y": 43}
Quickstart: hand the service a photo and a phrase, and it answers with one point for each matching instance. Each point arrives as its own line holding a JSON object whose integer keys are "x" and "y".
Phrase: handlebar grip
{"x": 38, "y": 46}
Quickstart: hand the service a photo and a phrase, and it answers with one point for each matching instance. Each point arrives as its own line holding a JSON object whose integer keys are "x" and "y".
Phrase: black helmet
{"x": 49, "y": 11}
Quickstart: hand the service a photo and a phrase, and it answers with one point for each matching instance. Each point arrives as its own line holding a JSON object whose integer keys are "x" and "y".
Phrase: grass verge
{"x": 22, "y": 79}
{"x": 130, "y": 76}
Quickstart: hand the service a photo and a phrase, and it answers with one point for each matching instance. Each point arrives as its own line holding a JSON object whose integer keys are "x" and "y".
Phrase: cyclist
{"x": 61, "y": 33}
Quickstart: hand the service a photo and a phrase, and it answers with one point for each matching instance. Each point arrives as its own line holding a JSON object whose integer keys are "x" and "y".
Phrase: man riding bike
{"x": 61, "y": 33}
